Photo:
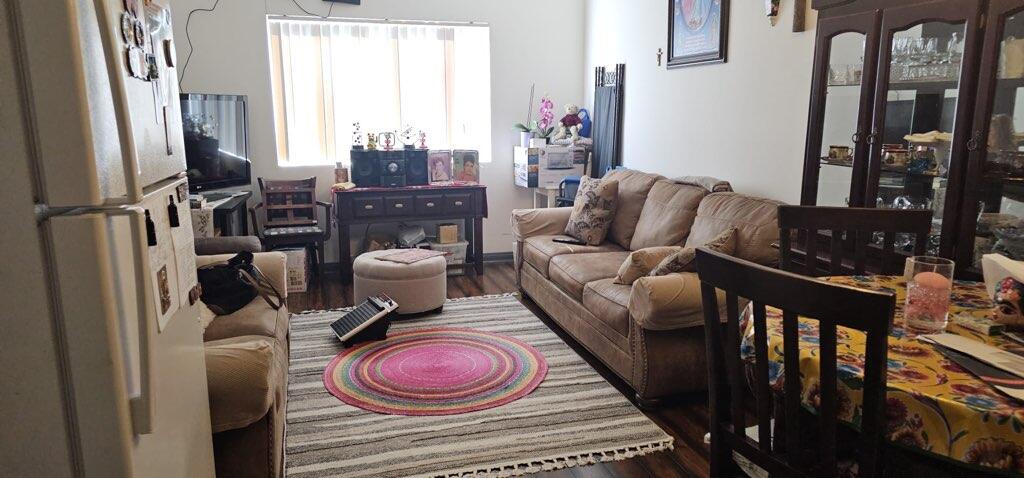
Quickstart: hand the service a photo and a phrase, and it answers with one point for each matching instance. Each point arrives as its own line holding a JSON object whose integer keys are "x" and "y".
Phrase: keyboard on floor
{"x": 368, "y": 321}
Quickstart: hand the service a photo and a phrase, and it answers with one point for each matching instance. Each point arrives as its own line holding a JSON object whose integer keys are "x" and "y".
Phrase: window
{"x": 327, "y": 75}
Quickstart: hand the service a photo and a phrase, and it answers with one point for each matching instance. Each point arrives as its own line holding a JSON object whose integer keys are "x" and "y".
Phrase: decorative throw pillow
{"x": 642, "y": 262}
{"x": 594, "y": 210}
{"x": 683, "y": 261}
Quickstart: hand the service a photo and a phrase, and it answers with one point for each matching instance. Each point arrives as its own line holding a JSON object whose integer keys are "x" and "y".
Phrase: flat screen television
{"x": 216, "y": 131}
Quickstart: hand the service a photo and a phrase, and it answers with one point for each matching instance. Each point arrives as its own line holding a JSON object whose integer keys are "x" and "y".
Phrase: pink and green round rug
{"x": 439, "y": 371}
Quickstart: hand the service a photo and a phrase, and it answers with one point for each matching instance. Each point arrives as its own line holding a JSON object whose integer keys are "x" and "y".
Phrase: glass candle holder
{"x": 929, "y": 285}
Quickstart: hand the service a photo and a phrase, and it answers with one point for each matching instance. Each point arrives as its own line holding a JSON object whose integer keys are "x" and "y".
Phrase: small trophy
{"x": 357, "y": 136}
{"x": 388, "y": 139}
{"x": 423, "y": 140}
{"x": 371, "y": 142}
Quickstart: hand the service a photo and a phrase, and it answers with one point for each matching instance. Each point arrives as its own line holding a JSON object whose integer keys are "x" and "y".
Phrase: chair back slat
{"x": 763, "y": 392}
{"x": 289, "y": 202}
{"x": 786, "y": 250}
{"x": 859, "y": 226}
{"x": 734, "y": 365}
{"x": 788, "y": 448}
{"x": 836, "y": 252}
{"x": 828, "y": 409}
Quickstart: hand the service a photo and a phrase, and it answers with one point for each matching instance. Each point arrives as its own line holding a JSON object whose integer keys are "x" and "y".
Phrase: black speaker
{"x": 416, "y": 168}
{"x": 365, "y": 168}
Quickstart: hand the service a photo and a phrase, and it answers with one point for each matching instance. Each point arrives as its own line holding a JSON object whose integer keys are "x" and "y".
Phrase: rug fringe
{"x": 562, "y": 462}
{"x": 459, "y": 299}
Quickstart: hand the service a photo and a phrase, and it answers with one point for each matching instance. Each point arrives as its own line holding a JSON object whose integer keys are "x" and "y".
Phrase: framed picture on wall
{"x": 698, "y": 32}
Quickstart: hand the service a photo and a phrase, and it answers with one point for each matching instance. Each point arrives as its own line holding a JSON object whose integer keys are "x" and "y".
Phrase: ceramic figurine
{"x": 388, "y": 139}
{"x": 771, "y": 8}
{"x": 371, "y": 141}
{"x": 423, "y": 140}
{"x": 357, "y": 136}
{"x": 1008, "y": 310}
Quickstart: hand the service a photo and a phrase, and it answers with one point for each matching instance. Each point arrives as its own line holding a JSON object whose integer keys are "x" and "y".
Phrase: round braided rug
{"x": 440, "y": 371}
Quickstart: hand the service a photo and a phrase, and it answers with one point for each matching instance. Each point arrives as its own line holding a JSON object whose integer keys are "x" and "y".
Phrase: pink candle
{"x": 932, "y": 280}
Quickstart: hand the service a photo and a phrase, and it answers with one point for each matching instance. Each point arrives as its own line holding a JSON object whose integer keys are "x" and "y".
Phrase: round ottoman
{"x": 418, "y": 287}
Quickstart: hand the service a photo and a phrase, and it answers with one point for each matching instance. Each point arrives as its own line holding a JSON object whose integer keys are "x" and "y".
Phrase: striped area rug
{"x": 574, "y": 418}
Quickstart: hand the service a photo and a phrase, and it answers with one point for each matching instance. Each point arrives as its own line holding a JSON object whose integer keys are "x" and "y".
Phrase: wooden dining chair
{"x": 288, "y": 217}
{"x": 783, "y": 450}
{"x": 851, "y": 232}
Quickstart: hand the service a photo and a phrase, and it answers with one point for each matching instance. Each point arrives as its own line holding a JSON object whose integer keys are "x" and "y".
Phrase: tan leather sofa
{"x": 651, "y": 333}
{"x": 247, "y": 374}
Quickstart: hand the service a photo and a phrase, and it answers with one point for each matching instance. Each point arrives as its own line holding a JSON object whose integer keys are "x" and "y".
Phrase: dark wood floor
{"x": 686, "y": 419}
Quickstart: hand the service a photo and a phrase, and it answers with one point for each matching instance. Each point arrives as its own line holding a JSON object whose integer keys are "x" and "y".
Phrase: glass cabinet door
{"x": 917, "y": 146}
{"x": 994, "y": 199}
{"x": 835, "y": 162}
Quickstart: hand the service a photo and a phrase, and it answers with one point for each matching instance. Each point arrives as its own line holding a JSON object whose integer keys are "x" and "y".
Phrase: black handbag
{"x": 229, "y": 286}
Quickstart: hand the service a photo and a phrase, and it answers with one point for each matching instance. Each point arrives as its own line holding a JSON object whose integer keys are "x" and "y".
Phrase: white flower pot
{"x": 538, "y": 142}
{"x": 524, "y": 138}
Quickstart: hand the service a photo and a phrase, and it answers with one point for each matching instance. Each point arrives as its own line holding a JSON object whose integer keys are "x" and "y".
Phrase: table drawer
{"x": 398, "y": 205}
{"x": 458, "y": 203}
{"x": 429, "y": 204}
{"x": 368, "y": 206}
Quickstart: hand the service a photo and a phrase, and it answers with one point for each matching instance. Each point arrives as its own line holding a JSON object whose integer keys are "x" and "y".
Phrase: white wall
{"x": 743, "y": 121}
{"x": 531, "y": 41}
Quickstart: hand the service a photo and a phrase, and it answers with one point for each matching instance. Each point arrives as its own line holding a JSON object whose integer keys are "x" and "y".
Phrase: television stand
{"x": 213, "y": 197}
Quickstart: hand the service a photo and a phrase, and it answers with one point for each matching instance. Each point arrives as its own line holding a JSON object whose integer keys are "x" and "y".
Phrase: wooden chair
{"x": 852, "y": 230}
{"x": 788, "y": 450}
{"x": 289, "y": 218}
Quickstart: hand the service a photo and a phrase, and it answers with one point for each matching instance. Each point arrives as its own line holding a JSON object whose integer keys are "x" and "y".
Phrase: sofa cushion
{"x": 633, "y": 189}
{"x": 609, "y": 303}
{"x": 667, "y": 215}
{"x": 684, "y": 260}
{"x": 571, "y": 272}
{"x": 641, "y": 262}
{"x": 539, "y": 250}
{"x": 256, "y": 318}
{"x": 593, "y": 210}
{"x": 755, "y": 219}
{"x": 244, "y": 377}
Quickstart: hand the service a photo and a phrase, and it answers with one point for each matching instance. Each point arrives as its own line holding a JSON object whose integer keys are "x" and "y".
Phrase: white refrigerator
{"x": 103, "y": 366}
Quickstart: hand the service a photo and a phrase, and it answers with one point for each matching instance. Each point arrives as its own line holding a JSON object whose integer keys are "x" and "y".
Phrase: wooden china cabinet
{"x": 920, "y": 104}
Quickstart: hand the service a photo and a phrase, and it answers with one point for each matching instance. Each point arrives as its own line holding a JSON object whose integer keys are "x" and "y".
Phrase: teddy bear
{"x": 569, "y": 125}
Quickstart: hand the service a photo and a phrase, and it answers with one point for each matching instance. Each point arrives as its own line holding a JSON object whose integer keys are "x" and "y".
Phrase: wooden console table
{"x": 413, "y": 203}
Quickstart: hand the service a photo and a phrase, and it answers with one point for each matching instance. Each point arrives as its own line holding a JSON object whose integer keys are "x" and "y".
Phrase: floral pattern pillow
{"x": 593, "y": 211}
{"x": 683, "y": 261}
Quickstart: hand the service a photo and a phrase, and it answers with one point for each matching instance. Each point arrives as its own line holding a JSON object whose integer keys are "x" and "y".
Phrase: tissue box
{"x": 546, "y": 167}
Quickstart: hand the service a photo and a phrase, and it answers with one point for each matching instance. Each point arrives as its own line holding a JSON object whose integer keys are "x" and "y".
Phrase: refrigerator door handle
{"x": 122, "y": 111}
{"x": 142, "y": 406}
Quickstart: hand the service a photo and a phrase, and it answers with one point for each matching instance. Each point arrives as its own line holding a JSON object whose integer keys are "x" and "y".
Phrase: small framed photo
{"x": 466, "y": 165}
{"x": 698, "y": 32}
{"x": 439, "y": 165}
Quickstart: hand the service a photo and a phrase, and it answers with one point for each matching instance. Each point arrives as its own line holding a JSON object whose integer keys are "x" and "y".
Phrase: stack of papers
{"x": 998, "y": 368}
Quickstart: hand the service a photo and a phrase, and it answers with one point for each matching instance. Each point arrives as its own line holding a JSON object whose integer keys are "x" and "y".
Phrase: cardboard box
{"x": 447, "y": 233}
{"x": 546, "y": 167}
{"x": 457, "y": 254}
{"x": 297, "y": 262}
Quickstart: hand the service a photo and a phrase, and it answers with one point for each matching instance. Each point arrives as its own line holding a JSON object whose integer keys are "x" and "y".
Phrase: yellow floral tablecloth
{"x": 932, "y": 403}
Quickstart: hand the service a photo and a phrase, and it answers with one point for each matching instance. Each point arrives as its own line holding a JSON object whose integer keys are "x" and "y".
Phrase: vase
{"x": 524, "y": 138}
{"x": 538, "y": 142}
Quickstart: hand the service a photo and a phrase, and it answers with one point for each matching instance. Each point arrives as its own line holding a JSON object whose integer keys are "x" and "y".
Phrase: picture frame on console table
{"x": 698, "y": 32}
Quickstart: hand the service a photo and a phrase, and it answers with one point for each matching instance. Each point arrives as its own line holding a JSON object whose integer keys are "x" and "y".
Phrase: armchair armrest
{"x": 208, "y": 246}
{"x": 668, "y": 302}
{"x": 536, "y": 222}
{"x": 328, "y": 218}
{"x": 272, "y": 264}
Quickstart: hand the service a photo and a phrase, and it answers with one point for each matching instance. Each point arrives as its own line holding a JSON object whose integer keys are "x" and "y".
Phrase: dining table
{"x": 932, "y": 404}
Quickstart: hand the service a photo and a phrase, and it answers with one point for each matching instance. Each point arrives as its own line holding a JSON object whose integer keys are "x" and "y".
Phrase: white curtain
{"x": 327, "y": 75}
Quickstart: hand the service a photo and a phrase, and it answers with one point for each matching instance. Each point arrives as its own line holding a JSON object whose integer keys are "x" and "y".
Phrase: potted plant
{"x": 538, "y": 132}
